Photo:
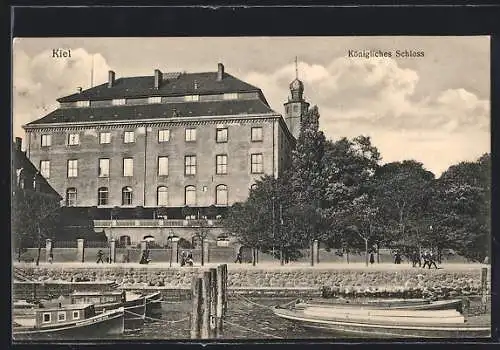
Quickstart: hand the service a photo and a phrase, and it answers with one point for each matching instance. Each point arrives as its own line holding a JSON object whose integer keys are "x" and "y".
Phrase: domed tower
{"x": 296, "y": 107}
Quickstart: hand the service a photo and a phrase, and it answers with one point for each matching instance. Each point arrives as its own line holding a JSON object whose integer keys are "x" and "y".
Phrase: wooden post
{"x": 220, "y": 299}
{"x": 213, "y": 302}
{"x": 224, "y": 292}
{"x": 196, "y": 311}
{"x": 205, "y": 291}
{"x": 484, "y": 288}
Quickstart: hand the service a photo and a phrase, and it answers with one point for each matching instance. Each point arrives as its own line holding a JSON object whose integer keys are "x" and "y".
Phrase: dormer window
{"x": 192, "y": 98}
{"x": 118, "y": 102}
{"x": 83, "y": 103}
{"x": 154, "y": 99}
{"x": 231, "y": 96}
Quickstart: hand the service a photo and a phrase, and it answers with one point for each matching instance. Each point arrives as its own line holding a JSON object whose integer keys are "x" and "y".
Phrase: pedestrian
{"x": 372, "y": 259}
{"x": 432, "y": 261}
{"x": 183, "y": 258}
{"x": 189, "y": 259}
{"x": 238, "y": 257}
{"x": 51, "y": 257}
{"x": 100, "y": 254}
{"x": 425, "y": 256}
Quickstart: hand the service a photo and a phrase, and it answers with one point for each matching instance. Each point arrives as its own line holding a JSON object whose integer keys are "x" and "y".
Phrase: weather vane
{"x": 296, "y": 68}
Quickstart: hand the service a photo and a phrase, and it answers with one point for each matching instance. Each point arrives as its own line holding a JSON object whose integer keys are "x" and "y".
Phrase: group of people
{"x": 187, "y": 258}
{"x": 427, "y": 257}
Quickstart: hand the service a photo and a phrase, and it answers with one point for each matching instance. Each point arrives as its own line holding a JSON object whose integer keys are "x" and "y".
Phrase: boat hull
{"x": 135, "y": 313}
{"x": 386, "y": 330}
{"x": 107, "y": 325}
{"x": 405, "y": 305}
{"x": 153, "y": 304}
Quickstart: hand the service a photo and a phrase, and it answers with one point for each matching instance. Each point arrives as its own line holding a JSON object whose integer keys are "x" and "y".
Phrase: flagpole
{"x": 92, "y": 72}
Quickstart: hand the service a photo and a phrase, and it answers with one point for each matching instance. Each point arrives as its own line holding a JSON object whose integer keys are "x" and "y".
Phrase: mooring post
{"x": 484, "y": 288}
{"x": 220, "y": 299}
{"x": 205, "y": 291}
{"x": 224, "y": 290}
{"x": 196, "y": 311}
{"x": 213, "y": 302}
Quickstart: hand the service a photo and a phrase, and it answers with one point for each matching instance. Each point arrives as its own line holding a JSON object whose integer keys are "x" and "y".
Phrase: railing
{"x": 154, "y": 223}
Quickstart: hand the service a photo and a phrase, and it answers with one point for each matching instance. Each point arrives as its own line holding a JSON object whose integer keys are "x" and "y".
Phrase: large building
{"x": 169, "y": 140}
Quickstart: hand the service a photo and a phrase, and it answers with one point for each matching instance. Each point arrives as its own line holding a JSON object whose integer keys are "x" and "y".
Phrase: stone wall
{"x": 343, "y": 281}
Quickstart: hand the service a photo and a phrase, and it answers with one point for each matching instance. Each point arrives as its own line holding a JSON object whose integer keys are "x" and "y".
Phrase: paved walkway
{"x": 261, "y": 266}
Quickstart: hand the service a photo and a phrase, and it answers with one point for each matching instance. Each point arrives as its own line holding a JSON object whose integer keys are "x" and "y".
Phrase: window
{"x": 61, "y": 316}
{"x": 190, "y": 134}
{"x": 295, "y": 108}
{"x": 190, "y": 165}
{"x": 163, "y": 135}
{"x": 45, "y": 168}
{"x": 162, "y": 196}
{"x": 231, "y": 96}
{"x": 221, "y": 135}
{"x": 72, "y": 168}
{"x": 127, "y": 196}
{"x": 46, "y": 317}
{"x": 128, "y": 137}
{"x": 73, "y": 139}
{"x": 104, "y": 167}
{"x": 257, "y": 134}
{"x": 46, "y": 140}
{"x": 76, "y": 315}
{"x": 162, "y": 166}
{"x": 118, "y": 102}
{"x": 190, "y": 194}
{"x": 192, "y": 98}
{"x": 221, "y": 195}
{"x": 221, "y": 164}
{"x": 83, "y": 103}
{"x": 104, "y": 137}
{"x": 71, "y": 197}
{"x": 154, "y": 99}
{"x": 102, "y": 196}
{"x": 128, "y": 166}
{"x": 256, "y": 161}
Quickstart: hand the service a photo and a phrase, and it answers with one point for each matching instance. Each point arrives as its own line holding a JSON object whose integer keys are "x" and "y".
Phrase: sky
{"x": 434, "y": 108}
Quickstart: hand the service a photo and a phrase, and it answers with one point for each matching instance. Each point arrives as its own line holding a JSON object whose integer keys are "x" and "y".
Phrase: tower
{"x": 296, "y": 106}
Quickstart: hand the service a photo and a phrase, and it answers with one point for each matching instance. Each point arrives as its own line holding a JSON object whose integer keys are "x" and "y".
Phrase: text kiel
{"x": 61, "y": 53}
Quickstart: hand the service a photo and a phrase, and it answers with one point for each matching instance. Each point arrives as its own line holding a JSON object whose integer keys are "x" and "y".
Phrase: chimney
{"x": 19, "y": 142}
{"x": 220, "y": 72}
{"x": 111, "y": 79}
{"x": 79, "y": 89}
{"x": 158, "y": 78}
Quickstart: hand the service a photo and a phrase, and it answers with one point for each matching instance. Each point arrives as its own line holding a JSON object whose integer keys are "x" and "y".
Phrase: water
{"x": 252, "y": 319}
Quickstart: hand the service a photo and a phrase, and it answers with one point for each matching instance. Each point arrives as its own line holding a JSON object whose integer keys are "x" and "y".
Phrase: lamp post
{"x": 173, "y": 239}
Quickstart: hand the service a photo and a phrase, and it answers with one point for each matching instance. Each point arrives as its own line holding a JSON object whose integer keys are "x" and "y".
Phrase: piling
{"x": 197, "y": 311}
{"x": 205, "y": 291}
{"x": 224, "y": 290}
{"x": 484, "y": 288}
{"x": 220, "y": 300}
{"x": 213, "y": 302}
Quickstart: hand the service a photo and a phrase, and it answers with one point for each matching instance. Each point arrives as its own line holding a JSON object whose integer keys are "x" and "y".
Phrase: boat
{"x": 68, "y": 322}
{"x": 406, "y": 304}
{"x": 385, "y": 323}
{"x": 134, "y": 305}
{"x": 153, "y": 303}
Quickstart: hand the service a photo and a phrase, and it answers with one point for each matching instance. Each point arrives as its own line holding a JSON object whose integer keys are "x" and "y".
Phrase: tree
{"x": 403, "y": 191}
{"x": 462, "y": 202}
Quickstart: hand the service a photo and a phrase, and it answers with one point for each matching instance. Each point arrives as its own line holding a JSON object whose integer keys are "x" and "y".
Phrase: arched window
{"x": 162, "y": 196}
{"x": 221, "y": 195}
{"x": 71, "y": 197}
{"x": 190, "y": 196}
{"x": 127, "y": 196}
{"x": 102, "y": 196}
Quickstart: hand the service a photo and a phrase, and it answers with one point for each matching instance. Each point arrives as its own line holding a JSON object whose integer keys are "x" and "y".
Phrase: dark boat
{"x": 385, "y": 323}
{"x": 407, "y": 304}
{"x": 153, "y": 303}
{"x": 134, "y": 305}
{"x": 68, "y": 322}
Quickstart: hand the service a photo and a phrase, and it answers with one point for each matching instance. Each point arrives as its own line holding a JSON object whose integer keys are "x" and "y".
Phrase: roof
{"x": 172, "y": 85}
{"x": 152, "y": 111}
{"x": 21, "y": 161}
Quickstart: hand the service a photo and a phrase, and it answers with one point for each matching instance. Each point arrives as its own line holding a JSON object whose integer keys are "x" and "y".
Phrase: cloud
{"x": 40, "y": 80}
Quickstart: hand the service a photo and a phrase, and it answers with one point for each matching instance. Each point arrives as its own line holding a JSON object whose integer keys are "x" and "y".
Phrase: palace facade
{"x": 170, "y": 140}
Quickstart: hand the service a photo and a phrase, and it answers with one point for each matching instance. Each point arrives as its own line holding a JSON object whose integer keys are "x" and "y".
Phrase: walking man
{"x": 425, "y": 256}
{"x": 100, "y": 254}
{"x": 238, "y": 257}
{"x": 432, "y": 261}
